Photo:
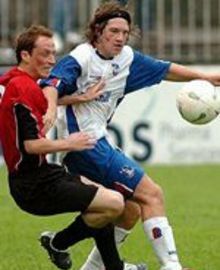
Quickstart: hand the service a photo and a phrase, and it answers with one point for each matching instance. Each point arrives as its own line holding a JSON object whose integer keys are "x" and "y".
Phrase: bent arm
{"x": 44, "y": 146}
{"x": 51, "y": 95}
{"x": 49, "y": 118}
{"x": 91, "y": 93}
{"x": 74, "y": 142}
{"x": 32, "y": 140}
{"x": 72, "y": 99}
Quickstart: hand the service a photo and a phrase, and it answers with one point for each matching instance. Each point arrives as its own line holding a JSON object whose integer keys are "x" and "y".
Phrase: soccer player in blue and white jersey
{"x": 91, "y": 81}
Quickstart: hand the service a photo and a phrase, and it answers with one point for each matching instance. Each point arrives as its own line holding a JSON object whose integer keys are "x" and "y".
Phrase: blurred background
{"x": 180, "y": 30}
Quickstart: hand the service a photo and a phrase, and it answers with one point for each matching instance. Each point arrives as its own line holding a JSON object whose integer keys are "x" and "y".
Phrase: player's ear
{"x": 97, "y": 33}
{"x": 25, "y": 56}
{"x": 98, "y": 30}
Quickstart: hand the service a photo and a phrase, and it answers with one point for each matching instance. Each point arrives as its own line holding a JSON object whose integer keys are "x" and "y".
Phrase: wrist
{"x": 83, "y": 98}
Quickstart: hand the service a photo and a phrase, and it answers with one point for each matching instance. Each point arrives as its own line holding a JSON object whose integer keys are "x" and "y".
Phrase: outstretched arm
{"x": 180, "y": 73}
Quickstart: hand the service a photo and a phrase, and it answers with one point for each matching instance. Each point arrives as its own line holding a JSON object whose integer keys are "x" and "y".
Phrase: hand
{"x": 91, "y": 93}
{"x": 214, "y": 79}
{"x": 94, "y": 91}
{"x": 49, "y": 119}
{"x": 81, "y": 141}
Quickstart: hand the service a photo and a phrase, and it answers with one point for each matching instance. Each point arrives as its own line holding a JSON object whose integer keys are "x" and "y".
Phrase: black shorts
{"x": 50, "y": 190}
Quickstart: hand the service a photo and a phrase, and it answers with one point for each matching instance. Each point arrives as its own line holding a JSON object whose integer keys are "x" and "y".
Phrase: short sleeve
{"x": 64, "y": 76}
{"x": 145, "y": 71}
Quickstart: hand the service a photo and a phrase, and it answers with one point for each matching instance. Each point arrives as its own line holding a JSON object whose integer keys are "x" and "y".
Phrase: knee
{"x": 132, "y": 210}
{"x": 116, "y": 205}
{"x": 156, "y": 194}
{"x": 148, "y": 192}
{"x": 130, "y": 215}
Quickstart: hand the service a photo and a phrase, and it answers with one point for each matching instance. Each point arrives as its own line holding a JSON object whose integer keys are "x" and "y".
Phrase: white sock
{"x": 120, "y": 235}
{"x": 161, "y": 236}
{"x": 94, "y": 260}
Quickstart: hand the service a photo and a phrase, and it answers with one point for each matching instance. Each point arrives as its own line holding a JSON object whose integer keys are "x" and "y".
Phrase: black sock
{"x": 109, "y": 252}
{"x": 79, "y": 230}
{"x": 74, "y": 233}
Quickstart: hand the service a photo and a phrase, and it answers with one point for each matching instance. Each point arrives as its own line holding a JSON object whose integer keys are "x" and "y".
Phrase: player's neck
{"x": 101, "y": 55}
{"x": 26, "y": 69}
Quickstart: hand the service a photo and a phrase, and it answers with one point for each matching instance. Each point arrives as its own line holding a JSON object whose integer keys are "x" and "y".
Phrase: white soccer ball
{"x": 198, "y": 102}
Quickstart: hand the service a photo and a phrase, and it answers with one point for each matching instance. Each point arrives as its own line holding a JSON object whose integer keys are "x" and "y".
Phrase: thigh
{"x": 124, "y": 174}
{"x": 92, "y": 163}
{"x": 106, "y": 165}
{"x": 61, "y": 193}
{"x": 68, "y": 195}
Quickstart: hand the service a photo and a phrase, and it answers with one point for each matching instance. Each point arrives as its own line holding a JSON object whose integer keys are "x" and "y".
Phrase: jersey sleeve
{"x": 145, "y": 71}
{"x": 64, "y": 76}
{"x": 26, "y": 123}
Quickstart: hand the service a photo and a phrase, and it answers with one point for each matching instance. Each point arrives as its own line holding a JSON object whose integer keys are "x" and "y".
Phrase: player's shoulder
{"x": 126, "y": 56}
{"x": 13, "y": 77}
{"x": 20, "y": 81}
{"x": 81, "y": 51}
{"x": 128, "y": 49}
{"x": 127, "y": 52}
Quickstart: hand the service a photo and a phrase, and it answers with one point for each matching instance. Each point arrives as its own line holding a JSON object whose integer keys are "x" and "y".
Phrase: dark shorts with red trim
{"x": 50, "y": 190}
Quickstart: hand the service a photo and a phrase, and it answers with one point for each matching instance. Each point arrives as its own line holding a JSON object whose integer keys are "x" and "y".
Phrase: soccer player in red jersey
{"x": 41, "y": 188}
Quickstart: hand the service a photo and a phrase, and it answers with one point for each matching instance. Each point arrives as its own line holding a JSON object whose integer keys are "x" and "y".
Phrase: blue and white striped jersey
{"x": 125, "y": 73}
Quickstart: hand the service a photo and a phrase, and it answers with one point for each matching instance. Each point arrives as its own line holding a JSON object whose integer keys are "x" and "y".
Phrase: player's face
{"x": 114, "y": 37}
{"x": 42, "y": 58}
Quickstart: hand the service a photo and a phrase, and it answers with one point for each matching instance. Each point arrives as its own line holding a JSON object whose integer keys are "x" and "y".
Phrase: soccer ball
{"x": 198, "y": 102}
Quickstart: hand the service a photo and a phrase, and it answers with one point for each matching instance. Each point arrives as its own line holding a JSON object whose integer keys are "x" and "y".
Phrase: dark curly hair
{"x": 103, "y": 13}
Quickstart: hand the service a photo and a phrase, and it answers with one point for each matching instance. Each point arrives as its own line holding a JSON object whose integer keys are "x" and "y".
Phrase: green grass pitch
{"x": 192, "y": 203}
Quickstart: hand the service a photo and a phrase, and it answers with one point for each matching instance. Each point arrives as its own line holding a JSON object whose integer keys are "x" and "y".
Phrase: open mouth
{"x": 118, "y": 46}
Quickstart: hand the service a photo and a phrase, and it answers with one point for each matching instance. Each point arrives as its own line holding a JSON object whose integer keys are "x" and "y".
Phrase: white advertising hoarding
{"x": 148, "y": 127}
